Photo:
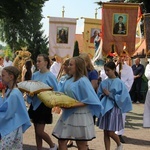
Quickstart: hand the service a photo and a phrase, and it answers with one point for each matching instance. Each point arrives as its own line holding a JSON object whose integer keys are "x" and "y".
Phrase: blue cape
{"x": 13, "y": 113}
{"x": 47, "y": 78}
{"x": 81, "y": 90}
{"x": 119, "y": 95}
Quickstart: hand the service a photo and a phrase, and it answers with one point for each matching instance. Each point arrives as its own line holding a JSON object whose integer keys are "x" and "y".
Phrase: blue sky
{"x": 73, "y": 9}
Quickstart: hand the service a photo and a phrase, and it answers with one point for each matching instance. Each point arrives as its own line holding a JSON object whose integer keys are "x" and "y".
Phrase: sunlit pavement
{"x": 136, "y": 137}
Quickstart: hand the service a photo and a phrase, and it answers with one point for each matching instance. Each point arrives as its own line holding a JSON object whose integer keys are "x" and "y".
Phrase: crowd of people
{"x": 103, "y": 100}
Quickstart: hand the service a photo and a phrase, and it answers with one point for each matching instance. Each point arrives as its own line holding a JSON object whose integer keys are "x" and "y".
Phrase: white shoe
{"x": 54, "y": 148}
{"x": 120, "y": 147}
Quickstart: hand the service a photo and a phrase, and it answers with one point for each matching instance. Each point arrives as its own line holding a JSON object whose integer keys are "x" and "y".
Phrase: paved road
{"x": 136, "y": 137}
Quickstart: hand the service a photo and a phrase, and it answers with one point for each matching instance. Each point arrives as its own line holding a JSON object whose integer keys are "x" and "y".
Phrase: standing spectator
{"x": 76, "y": 123}
{"x": 27, "y": 71}
{"x": 26, "y": 74}
{"x": 146, "y": 116}
{"x": 38, "y": 112}
{"x": 14, "y": 119}
{"x": 128, "y": 80}
{"x": 116, "y": 100}
{"x": 7, "y": 62}
{"x": 138, "y": 71}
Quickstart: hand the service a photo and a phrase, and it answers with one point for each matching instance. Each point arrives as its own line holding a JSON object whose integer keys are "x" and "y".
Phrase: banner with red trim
{"x": 119, "y": 22}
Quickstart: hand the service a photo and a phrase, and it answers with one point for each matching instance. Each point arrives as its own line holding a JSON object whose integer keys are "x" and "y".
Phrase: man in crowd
{"x": 138, "y": 71}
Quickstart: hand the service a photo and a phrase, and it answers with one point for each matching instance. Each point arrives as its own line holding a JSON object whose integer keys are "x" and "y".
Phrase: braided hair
{"x": 11, "y": 70}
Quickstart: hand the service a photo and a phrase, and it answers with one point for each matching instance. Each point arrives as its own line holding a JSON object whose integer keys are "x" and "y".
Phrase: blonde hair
{"x": 87, "y": 60}
{"x": 80, "y": 67}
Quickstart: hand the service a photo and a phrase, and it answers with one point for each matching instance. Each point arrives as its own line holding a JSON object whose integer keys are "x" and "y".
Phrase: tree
{"x": 76, "y": 49}
{"x": 1, "y": 47}
{"x": 38, "y": 45}
{"x": 20, "y": 24}
{"x": 37, "y": 42}
{"x": 16, "y": 10}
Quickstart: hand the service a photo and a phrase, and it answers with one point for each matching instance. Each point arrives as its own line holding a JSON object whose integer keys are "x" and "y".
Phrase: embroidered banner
{"x": 147, "y": 31}
{"x": 61, "y": 36}
{"x": 92, "y": 27}
{"x": 119, "y": 27}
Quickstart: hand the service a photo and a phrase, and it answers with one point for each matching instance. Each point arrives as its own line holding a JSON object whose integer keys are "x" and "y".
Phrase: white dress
{"x": 146, "y": 116}
{"x": 12, "y": 141}
{"x": 79, "y": 126}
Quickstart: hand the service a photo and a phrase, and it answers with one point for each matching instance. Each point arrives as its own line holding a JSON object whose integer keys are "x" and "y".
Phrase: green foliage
{"x": 15, "y": 10}
{"x": 76, "y": 49}
{"x": 8, "y": 52}
{"x": 38, "y": 45}
{"x": 20, "y": 25}
{"x": 2, "y": 47}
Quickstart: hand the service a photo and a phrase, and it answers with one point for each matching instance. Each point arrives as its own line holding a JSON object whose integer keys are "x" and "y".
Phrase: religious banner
{"x": 92, "y": 28}
{"x": 61, "y": 36}
{"x": 139, "y": 37}
{"x": 147, "y": 31}
{"x": 119, "y": 22}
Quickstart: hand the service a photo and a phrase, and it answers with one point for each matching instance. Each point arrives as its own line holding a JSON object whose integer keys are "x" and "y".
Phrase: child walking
{"x": 116, "y": 100}
{"x": 39, "y": 113}
{"x": 76, "y": 123}
{"x": 14, "y": 119}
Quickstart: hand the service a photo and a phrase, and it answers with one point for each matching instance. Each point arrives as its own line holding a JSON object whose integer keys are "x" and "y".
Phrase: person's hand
{"x": 106, "y": 92}
{"x": 31, "y": 94}
{"x": 25, "y": 95}
{"x": 137, "y": 76}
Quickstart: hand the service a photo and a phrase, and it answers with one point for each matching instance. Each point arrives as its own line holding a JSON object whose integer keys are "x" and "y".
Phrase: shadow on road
{"x": 134, "y": 120}
{"x": 134, "y": 141}
{"x": 31, "y": 147}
